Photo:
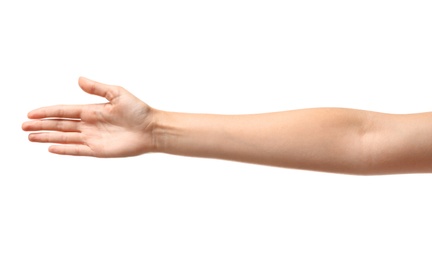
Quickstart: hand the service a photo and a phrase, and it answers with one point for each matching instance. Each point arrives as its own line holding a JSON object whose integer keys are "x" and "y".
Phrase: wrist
{"x": 160, "y": 130}
{"x": 179, "y": 133}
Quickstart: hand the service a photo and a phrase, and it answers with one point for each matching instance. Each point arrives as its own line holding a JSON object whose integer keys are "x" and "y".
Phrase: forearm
{"x": 321, "y": 139}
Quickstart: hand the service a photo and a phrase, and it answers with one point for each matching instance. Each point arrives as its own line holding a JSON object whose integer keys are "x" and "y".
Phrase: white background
{"x": 225, "y": 57}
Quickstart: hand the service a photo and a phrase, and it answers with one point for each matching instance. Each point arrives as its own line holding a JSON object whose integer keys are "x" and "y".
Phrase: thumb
{"x": 96, "y": 88}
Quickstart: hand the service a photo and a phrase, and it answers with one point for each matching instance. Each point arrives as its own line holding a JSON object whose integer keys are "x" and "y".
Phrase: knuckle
{"x": 42, "y": 113}
{"x": 76, "y": 150}
{"x": 60, "y": 126}
{"x": 61, "y": 112}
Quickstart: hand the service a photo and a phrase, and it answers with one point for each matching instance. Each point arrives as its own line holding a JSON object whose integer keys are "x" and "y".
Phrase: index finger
{"x": 60, "y": 111}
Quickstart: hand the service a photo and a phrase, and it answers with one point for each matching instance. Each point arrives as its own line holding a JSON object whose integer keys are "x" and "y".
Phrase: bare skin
{"x": 338, "y": 140}
{"x": 118, "y": 128}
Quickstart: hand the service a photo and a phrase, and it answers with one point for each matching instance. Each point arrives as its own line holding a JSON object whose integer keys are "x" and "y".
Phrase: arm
{"x": 319, "y": 139}
{"x": 322, "y": 139}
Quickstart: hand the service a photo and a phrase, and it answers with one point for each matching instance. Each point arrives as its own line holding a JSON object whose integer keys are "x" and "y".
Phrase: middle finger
{"x": 52, "y": 125}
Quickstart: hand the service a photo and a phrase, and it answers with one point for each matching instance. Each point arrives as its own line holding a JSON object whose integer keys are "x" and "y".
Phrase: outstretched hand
{"x": 121, "y": 127}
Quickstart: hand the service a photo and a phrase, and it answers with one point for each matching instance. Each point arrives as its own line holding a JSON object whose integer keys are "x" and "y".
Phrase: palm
{"x": 118, "y": 128}
{"x": 112, "y": 130}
